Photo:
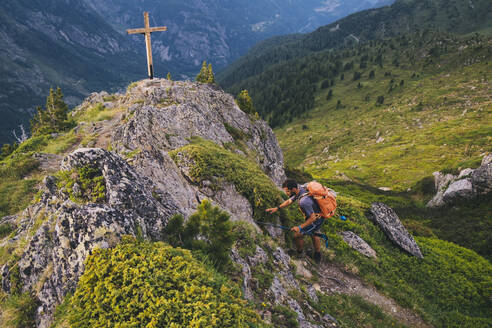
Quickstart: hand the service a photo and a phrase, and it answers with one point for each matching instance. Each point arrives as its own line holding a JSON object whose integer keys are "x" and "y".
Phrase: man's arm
{"x": 284, "y": 204}
{"x": 310, "y": 220}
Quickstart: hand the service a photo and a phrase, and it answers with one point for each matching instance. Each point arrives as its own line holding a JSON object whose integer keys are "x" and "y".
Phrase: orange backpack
{"x": 325, "y": 197}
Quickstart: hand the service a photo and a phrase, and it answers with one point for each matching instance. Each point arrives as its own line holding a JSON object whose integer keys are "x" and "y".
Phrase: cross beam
{"x": 146, "y": 31}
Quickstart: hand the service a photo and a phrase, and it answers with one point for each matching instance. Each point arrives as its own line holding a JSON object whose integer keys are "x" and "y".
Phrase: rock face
{"x": 389, "y": 222}
{"x": 468, "y": 184}
{"x": 54, "y": 258}
{"x": 358, "y": 244}
{"x": 164, "y": 115}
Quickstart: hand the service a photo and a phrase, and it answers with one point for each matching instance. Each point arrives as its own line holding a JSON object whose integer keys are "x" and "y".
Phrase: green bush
{"x": 244, "y": 102}
{"x": 90, "y": 180}
{"x": 212, "y": 224}
{"x": 54, "y": 117}
{"x": 155, "y": 285}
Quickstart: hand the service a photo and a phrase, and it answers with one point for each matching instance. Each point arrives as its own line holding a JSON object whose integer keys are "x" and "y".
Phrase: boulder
{"x": 481, "y": 178}
{"x": 388, "y": 221}
{"x": 469, "y": 183}
{"x": 358, "y": 244}
{"x": 458, "y": 189}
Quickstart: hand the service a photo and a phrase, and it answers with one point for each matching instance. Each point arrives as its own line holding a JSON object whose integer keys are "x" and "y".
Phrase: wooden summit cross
{"x": 147, "y": 30}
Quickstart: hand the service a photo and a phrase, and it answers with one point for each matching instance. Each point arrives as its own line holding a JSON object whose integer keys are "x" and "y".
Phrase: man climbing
{"x": 311, "y": 211}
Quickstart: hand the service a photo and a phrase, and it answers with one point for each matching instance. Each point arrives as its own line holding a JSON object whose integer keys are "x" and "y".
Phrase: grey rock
{"x": 260, "y": 257}
{"x": 441, "y": 182}
{"x": 312, "y": 293}
{"x": 481, "y": 178}
{"x": 468, "y": 184}
{"x": 329, "y": 319}
{"x": 389, "y": 222}
{"x": 278, "y": 291}
{"x": 246, "y": 271}
{"x": 281, "y": 258}
{"x": 458, "y": 189}
{"x": 358, "y": 244}
{"x": 173, "y": 112}
{"x": 465, "y": 173}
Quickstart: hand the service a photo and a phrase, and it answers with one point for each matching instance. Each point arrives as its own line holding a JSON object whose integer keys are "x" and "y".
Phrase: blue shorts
{"x": 313, "y": 227}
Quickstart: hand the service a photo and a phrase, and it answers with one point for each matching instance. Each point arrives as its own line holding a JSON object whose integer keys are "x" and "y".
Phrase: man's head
{"x": 290, "y": 187}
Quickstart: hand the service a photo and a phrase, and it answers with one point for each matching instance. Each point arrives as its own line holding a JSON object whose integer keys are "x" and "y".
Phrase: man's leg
{"x": 316, "y": 243}
{"x": 317, "y": 248}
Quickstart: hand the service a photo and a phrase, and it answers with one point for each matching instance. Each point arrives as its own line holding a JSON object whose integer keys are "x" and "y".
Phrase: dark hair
{"x": 289, "y": 184}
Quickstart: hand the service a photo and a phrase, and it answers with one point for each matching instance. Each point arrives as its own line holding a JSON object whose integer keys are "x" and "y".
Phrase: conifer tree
{"x": 244, "y": 101}
{"x": 202, "y": 76}
{"x": 206, "y": 74}
{"x": 210, "y": 74}
{"x": 330, "y": 95}
{"x": 54, "y": 117}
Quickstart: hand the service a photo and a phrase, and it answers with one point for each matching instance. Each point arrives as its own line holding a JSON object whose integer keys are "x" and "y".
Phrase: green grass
{"x": 62, "y": 143}
{"x": 449, "y": 281}
{"x": 354, "y": 311}
{"x": 96, "y": 113}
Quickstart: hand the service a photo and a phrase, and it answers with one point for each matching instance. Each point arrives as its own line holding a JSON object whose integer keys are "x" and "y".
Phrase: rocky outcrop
{"x": 388, "y": 221}
{"x": 144, "y": 187}
{"x": 469, "y": 183}
{"x": 358, "y": 244}
{"x": 54, "y": 257}
{"x": 165, "y": 115}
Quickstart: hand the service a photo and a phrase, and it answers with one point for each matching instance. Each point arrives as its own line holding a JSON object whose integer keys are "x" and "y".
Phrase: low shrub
{"x": 92, "y": 186}
{"x": 143, "y": 284}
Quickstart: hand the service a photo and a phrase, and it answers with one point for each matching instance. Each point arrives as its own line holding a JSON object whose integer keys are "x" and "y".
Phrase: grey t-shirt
{"x": 307, "y": 203}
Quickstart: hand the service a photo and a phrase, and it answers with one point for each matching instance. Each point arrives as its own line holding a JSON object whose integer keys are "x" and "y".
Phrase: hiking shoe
{"x": 295, "y": 253}
{"x": 317, "y": 257}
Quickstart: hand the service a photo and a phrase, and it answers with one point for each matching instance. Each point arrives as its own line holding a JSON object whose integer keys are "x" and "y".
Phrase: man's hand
{"x": 272, "y": 210}
{"x": 295, "y": 229}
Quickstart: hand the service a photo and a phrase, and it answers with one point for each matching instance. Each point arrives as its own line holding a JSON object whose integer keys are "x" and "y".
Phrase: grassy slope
{"x": 19, "y": 172}
{"x": 438, "y": 119}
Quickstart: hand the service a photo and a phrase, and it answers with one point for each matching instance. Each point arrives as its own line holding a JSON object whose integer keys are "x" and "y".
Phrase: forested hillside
{"x": 402, "y": 17}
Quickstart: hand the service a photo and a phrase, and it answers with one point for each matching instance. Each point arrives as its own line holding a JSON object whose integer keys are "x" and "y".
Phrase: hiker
{"x": 311, "y": 211}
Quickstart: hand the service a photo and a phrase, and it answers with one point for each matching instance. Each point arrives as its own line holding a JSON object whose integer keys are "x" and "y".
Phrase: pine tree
{"x": 206, "y": 74}
{"x": 202, "y": 76}
{"x": 245, "y": 102}
{"x": 330, "y": 95}
{"x": 210, "y": 74}
{"x": 54, "y": 117}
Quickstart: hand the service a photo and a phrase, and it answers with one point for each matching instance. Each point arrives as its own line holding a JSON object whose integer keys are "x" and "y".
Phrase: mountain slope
{"x": 82, "y": 46}
{"x": 403, "y": 16}
{"x": 52, "y": 43}
{"x": 170, "y": 146}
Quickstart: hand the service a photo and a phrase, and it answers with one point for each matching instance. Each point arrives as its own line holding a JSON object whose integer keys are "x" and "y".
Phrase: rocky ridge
{"x": 140, "y": 197}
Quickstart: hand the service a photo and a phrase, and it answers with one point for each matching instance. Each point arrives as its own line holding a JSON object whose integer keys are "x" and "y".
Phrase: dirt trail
{"x": 335, "y": 280}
